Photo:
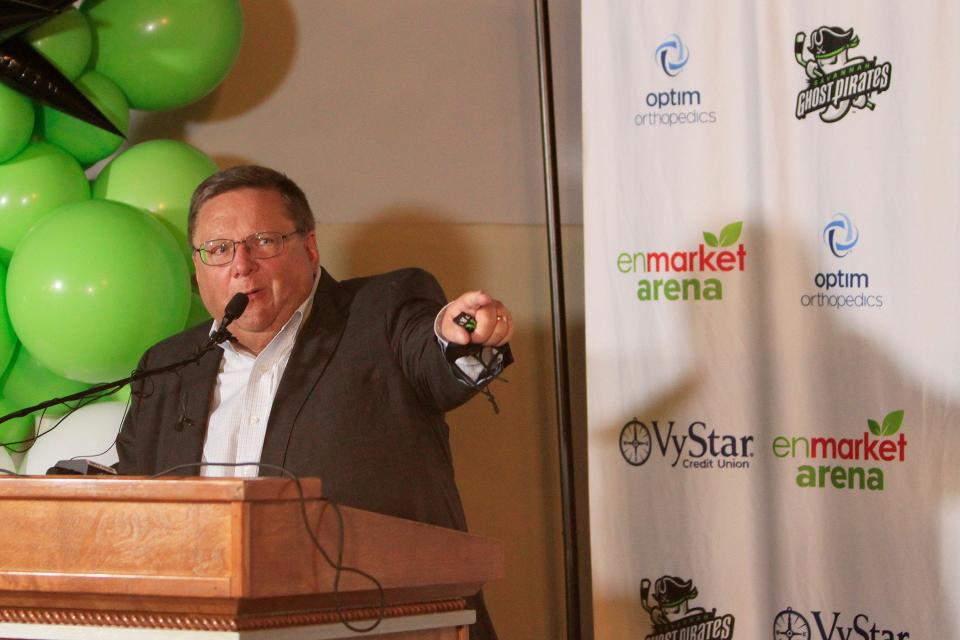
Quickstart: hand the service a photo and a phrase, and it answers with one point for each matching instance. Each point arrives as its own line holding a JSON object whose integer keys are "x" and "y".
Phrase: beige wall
{"x": 413, "y": 126}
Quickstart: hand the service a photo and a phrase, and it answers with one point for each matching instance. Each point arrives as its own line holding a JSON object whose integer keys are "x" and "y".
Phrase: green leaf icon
{"x": 730, "y": 234}
{"x": 710, "y": 239}
{"x": 874, "y": 427}
{"x": 891, "y": 424}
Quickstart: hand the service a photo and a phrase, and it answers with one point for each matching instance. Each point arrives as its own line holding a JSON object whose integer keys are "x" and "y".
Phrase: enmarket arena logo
{"x": 793, "y": 625}
{"x": 674, "y": 106}
{"x": 836, "y": 81}
{"x": 843, "y": 288}
{"x": 847, "y": 463}
{"x": 694, "y": 446}
{"x": 697, "y": 267}
{"x": 674, "y": 619}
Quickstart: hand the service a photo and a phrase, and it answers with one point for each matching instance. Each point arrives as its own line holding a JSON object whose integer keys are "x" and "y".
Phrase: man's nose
{"x": 243, "y": 262}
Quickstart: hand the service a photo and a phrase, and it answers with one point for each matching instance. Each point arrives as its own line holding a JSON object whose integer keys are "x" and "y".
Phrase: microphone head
{"x": 235, "y": 308}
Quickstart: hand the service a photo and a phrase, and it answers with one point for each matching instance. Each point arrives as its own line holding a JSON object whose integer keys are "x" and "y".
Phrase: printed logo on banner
{"x": 843, "y": 288}
{"x": 672, "y": 55}
{"x": 670, "y": 106}
{"x": 696, "y": 446}
{"x": 713, "y": 256}
{"x": 793, "y": 625}
{"x": 840, "y": 235}
{"x": 672, "y": 616}
{"x": 847, "y": 463}
{"x": 837, "y": 82}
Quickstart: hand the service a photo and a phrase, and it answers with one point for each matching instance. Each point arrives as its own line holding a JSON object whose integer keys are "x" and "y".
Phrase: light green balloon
{"x": 165, "y": 55}
{"x": 17, "y": 429}
{"x": 16, "y": 122}
{"x": 85, "y": 142}
{"x": 33, "y": 183}
{"x": 93, "y": 285}
{"x": 65, "y": 40}
{"x": 158, "y": 176}
{"x": 26, "y": 382}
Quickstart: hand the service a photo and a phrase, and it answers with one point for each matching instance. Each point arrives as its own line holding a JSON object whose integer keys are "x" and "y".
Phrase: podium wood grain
{"x": 218, "y": 554}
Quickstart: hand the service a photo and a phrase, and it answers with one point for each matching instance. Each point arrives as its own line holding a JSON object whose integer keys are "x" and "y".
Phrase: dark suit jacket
{"x": 360, "y": 404}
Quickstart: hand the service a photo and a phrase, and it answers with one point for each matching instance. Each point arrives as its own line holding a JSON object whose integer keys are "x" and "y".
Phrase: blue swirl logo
{"x": 672, "y": 55}
{"x": 841, "y": 235}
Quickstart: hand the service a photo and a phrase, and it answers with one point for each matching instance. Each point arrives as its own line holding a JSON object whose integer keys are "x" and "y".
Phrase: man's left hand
{"x": 494, "y": 321}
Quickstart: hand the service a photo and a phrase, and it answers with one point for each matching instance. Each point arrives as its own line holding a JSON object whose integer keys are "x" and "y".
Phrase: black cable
{"x": 338, "y": 567}
{"x": 82, "y": 403}
{"x": 126, "y": 408}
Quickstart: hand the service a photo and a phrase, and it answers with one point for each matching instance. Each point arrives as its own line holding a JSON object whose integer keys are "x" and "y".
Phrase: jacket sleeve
{"x": 414, "y": 299}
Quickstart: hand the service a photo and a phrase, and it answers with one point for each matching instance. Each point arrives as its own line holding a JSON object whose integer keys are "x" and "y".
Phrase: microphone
{"x": 234, "y": 309}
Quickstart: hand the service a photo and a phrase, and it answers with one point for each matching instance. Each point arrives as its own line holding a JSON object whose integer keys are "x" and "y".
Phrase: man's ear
{"x": 310, "y": 243}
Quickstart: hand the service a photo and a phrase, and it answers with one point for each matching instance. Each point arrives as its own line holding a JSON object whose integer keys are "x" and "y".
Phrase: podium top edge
{"x": 144, "y": 489}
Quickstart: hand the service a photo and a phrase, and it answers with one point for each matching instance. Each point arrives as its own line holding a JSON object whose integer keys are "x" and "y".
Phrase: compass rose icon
{"x": 635, "y": 442}
{"x": 790, "y": 625}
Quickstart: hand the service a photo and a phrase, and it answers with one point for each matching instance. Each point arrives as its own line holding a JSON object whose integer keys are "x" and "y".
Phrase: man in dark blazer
{"x": 347, "y": 381}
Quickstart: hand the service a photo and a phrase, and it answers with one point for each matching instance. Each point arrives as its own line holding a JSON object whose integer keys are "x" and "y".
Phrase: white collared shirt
{"x": 243, "y": 398}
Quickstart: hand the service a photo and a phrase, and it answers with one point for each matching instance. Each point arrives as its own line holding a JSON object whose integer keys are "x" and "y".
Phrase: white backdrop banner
{"x": 771, "y": 202}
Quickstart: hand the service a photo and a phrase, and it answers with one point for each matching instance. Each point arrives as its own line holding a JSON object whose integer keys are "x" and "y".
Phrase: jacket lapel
{"x": 182, "y": 441}
{"x": 311, "y": 354}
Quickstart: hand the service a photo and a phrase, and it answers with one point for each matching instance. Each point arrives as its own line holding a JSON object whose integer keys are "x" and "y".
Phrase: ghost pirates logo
{"x": 837, "y": 81}
{"x": 673, "y": 617}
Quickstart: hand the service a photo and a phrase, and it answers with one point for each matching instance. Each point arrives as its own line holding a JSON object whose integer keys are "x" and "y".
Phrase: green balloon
{"x": 85, "y": 142}
{"x": 165, "y": 55}
{"x": 198, "y": 312}
{"x": 93, "y": 285}
{"x": 65, "y": 40}
{"x": 16, "y": 122}
{"x": 17, "y": 429}
{"x": 159, "y": 176}
{"x": 26, "y": 382}
{"x": 33, "y": 183}
{"x": 8, "y": 339}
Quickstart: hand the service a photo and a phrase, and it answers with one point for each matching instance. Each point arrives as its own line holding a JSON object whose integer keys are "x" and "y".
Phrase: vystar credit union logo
{"x": 674, "y": 619}
{"x": 846, "y": 463}
{"x": 843, "y": 288}
{"x": 672, "y": 106}
{"x": 695, "y": 447}
{"x": 793, "y": 625}
{"x": 837, "y": 82}
{"x": 672, "y": 55}
{"x": 714, "y": 255}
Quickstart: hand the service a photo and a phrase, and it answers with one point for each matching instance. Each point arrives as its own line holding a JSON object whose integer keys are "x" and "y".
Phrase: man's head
{"x": 234, "y": 205}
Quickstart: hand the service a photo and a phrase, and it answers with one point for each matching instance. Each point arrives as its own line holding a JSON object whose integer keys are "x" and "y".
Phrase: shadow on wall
{"x": 816, "y": 375}
{"x": 266, "y": 56}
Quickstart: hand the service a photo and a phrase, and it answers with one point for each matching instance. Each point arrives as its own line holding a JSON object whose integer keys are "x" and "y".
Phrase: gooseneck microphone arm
{"x": 233, "y": 311}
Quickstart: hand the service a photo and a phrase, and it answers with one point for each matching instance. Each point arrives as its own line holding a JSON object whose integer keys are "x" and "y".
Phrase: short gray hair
{"x": 253, "y": 177}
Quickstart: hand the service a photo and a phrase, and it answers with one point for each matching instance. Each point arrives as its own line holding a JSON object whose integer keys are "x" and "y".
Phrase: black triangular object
{"x": 25, "y": 70}
{"x": 20, "y": 15}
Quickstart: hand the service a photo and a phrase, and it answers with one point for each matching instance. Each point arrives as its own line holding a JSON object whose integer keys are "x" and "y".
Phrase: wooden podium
{"x": 223, "y": 558}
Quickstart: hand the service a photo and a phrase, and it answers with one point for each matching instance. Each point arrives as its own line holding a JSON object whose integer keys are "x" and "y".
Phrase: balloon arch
{"x": 96, "y": 272}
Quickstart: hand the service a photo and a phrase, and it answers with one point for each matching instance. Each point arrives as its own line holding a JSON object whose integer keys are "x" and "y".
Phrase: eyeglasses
{"x": 263, "y": 244}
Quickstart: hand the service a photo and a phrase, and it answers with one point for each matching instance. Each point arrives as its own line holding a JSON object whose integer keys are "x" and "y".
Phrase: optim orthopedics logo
{"x": 840, "y": 235}
{"x": 672, "y": 55}
{"x": 837, "y": 82}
